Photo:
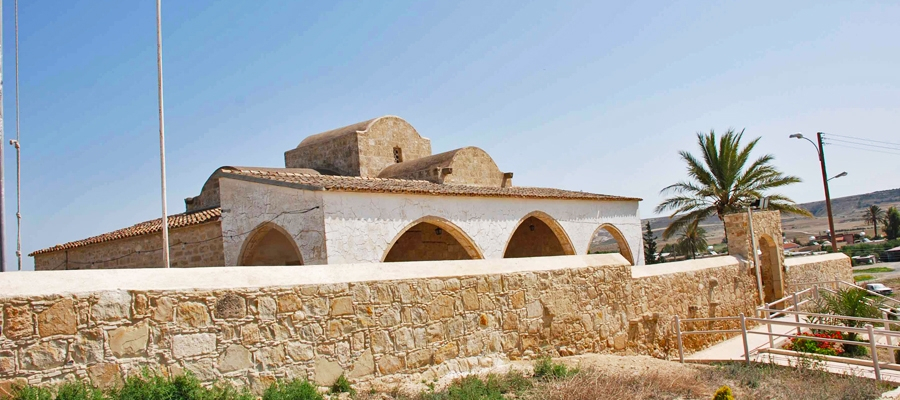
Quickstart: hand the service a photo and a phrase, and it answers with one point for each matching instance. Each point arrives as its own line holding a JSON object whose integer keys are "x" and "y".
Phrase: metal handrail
{"x": 835, "y": 316}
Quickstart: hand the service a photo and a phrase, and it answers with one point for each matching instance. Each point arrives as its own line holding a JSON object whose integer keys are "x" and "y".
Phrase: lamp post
{"x": 820, "y": 150}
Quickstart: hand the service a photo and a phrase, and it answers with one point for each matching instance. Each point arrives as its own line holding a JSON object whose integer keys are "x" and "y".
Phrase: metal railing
{"x": 804, "y": 320}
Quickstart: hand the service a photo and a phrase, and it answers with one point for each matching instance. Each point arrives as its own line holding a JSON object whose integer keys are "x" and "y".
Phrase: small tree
{"x": 650, "y": 245}
{"x": 693, "y": 238}
{"x": 873, "y": 215}
{"x": 892, "y": 223}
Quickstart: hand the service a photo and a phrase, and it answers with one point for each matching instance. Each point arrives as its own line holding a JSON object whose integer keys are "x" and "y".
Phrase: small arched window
{"x": 398, "y": 155}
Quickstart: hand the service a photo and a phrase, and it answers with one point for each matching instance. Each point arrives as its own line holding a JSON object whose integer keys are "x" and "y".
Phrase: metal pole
{"x": 769, "y": 328}
{"x": 874, "y": 349}
{"x": 827, "y": 194}
{"x": 2, "y": 191}
{"x": 796, "y": 308}
{"x": 18, "y": 153}
{"x": 759, "y": 286}
{"x": 887, "y": 327}
{"x": 162, "y": 136}
{"x": 678, "y": 334}
{"x": 744, "y": 336}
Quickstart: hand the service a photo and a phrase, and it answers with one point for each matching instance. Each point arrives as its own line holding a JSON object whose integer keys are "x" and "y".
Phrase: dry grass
{"x": 599, "y": 382}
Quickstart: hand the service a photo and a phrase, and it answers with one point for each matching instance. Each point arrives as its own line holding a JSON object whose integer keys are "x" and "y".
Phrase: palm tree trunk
{"x": 875, "y": 223}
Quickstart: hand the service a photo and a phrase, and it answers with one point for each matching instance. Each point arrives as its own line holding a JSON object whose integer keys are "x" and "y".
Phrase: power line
{"x": 133, "y": 252}
{"x": 863, "y": 139}
{"x": 864, "y": 149}
{"x": 878, "y": 145}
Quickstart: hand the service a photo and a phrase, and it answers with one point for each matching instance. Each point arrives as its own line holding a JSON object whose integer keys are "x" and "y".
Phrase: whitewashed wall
{"x": 246, "y": 205}
{"x": 359, "y": 227}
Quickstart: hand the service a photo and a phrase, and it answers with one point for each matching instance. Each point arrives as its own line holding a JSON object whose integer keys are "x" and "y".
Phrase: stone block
{"x": 326, "y": 372}
{"x": 8, "y": 386}
{"x": 231, "y": 306}
{"x": 418, "y": 358}
{"x": 272, "y": 356}
{"x": 266, "y": 308}
{"x": 192, "y": 345}
{"x": 235, "y": 358}
{"x": 446, "y": 352}
{"x": 342, "y": 306}
{"x": 517, "y": 299}
{"x": 129, "y": 341}
{"x": 105, "y": 375}
{"x": 164, "y": 310}
{"x": 58, "y": 319}
{"x": 17, "y": 322}
{"x": 364, "y": 366}
{"x": 112, "y": 306}
{"x": 44, "y": 355}
{"x": 390, "y": 364}
{"x": 88, "y": 347}
{"x": 192, "y": 314}
{"x": 288, "y": 303}
{"x": 203, "y": 369}
{"x": 250, "y": 334}
{"x": 7, "y": 363}
{"x": 470, "y": 299}
{"x": 381, "y": 342}
{"x": 300, "y": 351}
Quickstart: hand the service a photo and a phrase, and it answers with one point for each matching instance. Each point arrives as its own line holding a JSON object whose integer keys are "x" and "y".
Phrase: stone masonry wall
{"x": 802, "y": 271}
{"x": 192, "y": 246}
{"x": 450, "y": 319}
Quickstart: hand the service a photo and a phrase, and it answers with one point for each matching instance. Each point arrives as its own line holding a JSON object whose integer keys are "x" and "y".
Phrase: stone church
{"x": 366, "y": 193}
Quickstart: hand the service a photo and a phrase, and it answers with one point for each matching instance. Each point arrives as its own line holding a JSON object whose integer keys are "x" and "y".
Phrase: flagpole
{"x": 2, "y": 159}
{"x": 162, "y": 135}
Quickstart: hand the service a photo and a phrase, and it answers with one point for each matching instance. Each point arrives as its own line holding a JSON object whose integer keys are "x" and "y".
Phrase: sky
{"x": 592, "y": 96}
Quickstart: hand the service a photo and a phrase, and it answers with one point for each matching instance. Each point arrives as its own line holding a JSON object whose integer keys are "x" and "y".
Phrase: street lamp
{"x": 838, "y": 176}
{"x": 820, "y": 150}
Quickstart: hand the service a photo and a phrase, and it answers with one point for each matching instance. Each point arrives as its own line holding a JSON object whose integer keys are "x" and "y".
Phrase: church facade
{"x": 370, "y": 192}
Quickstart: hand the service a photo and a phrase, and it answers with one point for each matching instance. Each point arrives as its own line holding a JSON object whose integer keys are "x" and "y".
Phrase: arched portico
{"x": 431, "y": 239}
{"x": 607, "y": 239}
{"x": 269, "y": 244}
{"x": 538, "y": 235}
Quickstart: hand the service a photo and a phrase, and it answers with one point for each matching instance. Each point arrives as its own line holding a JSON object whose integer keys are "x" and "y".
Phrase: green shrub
{"x": 546, "y": 369}
{"x": 292, "y": 390}
{"x": 32, "y": 393}
{"x": 342, "y": 385}
{"x": 152, "y": 386}
{"x": 724, "y": 393}
{"x": 492, "y": 387}
{"x": 79, "y": 391}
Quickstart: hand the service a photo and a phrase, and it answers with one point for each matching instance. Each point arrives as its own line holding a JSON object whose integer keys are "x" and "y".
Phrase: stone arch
{"x": 600, "y": 242}
{"x": 269, "y": 244}
{"x": 770, "y": 269}
{"x": 538, "y": 235}
{"x": 431, "y": 239}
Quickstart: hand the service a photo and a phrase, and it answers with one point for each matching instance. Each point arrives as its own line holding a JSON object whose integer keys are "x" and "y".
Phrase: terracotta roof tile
{"x": 143, "y": 228}
{"x": 387, "y": 185}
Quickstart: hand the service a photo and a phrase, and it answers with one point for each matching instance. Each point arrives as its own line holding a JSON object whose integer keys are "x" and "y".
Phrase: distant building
{"x": 367, "y": 192}
{"x": 892, "y": 254}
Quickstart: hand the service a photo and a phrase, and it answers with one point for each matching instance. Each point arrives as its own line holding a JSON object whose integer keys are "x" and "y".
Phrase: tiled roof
{"x": 143, "y": 228}
{"x": 385, "y": 185}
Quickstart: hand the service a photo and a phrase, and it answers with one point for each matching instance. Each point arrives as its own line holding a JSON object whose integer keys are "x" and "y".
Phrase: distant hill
{"x": 847, "y": 212}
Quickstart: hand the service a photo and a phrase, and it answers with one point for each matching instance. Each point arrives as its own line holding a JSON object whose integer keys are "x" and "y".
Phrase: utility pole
{"x": 2, "y": 192}
{"x": 162, "y": 136}
{"x": 827, "y": 194}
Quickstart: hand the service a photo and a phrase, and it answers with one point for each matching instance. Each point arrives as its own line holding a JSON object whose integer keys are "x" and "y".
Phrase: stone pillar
{"x": 769, "y": 244}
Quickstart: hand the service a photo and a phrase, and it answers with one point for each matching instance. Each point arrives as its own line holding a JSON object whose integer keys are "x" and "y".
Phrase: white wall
{"x": 246, "y": 205}
{"x": 359, "y": 227}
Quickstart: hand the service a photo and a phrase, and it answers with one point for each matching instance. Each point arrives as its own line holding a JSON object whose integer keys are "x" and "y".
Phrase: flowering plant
{"x": 817, "y": 347}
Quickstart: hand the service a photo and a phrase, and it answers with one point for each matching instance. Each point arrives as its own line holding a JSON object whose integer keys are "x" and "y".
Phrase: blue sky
{"x": 592, "y": 96}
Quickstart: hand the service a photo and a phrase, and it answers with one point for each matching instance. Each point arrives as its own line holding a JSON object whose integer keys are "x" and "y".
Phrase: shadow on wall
{"x": 270, "y": 244}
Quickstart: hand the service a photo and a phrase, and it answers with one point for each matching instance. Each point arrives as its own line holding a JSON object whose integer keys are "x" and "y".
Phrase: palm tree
{"x": 693, "y": 237}
{"x": 873, "y": 215}
{"x": 723, "y": 182}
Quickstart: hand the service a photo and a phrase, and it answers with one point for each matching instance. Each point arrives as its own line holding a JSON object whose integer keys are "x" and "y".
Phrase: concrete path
{"x": 733, "y": 349}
